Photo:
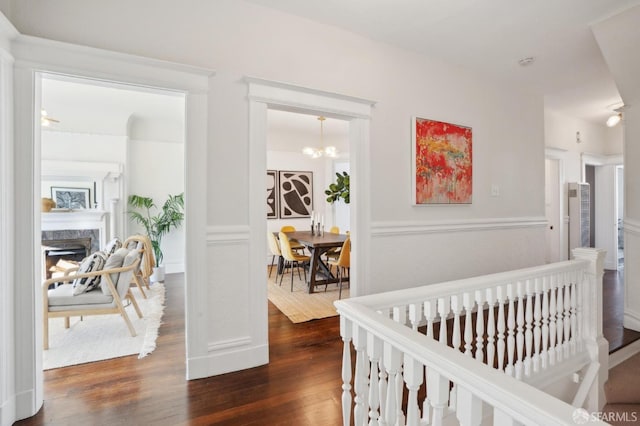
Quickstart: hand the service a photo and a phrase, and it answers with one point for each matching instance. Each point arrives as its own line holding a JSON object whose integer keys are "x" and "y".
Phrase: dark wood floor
{"x": 300, "y": 386}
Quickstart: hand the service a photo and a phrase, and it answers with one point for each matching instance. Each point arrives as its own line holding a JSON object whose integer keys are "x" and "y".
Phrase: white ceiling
{"x": 98, "y": 107}
{"x": 490, "y": 37}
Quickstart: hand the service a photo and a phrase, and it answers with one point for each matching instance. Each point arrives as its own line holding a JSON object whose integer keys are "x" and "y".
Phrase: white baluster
{"x": 491, "y": 329}
{"x": 528, "y": 334}
{"x": 400, "y": 314}
{"x": 438, "y": 387}
{"x": 480, "y": 326}
{"x": 415, "y": 315}
{"x": 520, "y": 331}
{"x": 469, "y": 411}
{"x": 361, "y": 374}
{"x": 443, "y": 310}
{"x": 511, "y": 330}
{"x": 559, "y": 321}
{"x": 346, "y": 333}
{"x": 430, "y": 313}
{"x": 467, "y": 300}
{"x": 501, "y": 327}
{"x": 374, "y": 350}
{"x": 392, "y": 362}
{"x": 456, "y": 308}
{"x": 537, "y": 324}
{"x": 566, "y": 348}
{"x": 545, "y": 322}
{"x": 552, "y": 321}
{"x": 383, "y": 385}
{"x": 574, "y": 325}
{"x": 413, "y": 374}
{"x": 580, "y": 291}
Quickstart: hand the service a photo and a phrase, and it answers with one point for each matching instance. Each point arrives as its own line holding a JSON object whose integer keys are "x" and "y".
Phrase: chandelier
{"x": 328, "y": 151}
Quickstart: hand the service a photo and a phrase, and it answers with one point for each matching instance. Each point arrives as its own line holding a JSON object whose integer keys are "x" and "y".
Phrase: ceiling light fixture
{"x": 614, "y": 119}
{"x": 329, "y": 151}
{"x": 45, "y": 120}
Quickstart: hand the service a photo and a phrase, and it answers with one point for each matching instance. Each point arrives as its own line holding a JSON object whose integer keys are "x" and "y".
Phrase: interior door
{"x": 552, "y": 210}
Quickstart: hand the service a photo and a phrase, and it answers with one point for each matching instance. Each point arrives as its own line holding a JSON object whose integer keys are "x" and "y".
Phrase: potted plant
{"x": 169, "y": 216}
{"x": 339, "y": 189}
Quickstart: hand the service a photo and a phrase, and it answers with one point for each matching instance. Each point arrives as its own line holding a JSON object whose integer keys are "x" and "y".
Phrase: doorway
{"x": 298, "y": 144}
{"x": 106, "y": 141}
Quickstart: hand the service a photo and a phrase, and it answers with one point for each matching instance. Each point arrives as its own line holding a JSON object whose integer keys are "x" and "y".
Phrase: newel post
{"x": 592, "y": 322}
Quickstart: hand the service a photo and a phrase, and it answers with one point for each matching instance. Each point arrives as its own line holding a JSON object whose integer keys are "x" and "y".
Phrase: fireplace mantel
{"x": 78, "y": 219}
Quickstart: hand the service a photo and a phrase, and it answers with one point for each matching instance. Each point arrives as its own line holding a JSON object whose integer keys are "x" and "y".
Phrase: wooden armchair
{"x": 145, "y": 269}
{"x": 106, "y": 299}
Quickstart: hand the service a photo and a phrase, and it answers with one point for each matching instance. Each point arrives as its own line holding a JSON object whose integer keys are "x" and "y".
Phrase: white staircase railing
{"x": 476, "y": 351}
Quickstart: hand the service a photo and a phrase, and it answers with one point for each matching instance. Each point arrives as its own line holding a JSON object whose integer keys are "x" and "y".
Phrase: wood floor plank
{"x": 300, "y": 386}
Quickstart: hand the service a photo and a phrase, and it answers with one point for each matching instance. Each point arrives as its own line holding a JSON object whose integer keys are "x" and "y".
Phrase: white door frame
{"x": 559, "y": 155}
{"x": 265, "y": 94}
{"x": 34, "y": 55}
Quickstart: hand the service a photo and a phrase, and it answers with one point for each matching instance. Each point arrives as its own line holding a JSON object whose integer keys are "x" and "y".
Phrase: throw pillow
{"x": 112, "y": 246}
{"x": 91, "y": 263}
{"x": 114, "y": 261}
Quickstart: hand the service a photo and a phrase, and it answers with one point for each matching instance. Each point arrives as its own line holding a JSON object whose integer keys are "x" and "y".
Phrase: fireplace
{"x": 70, "y": 245}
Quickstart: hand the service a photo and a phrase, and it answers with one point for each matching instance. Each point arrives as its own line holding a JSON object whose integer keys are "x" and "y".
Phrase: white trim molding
{"x": 380, "y": 229}
{"x": 228, "y": 234}
{"x": 34, "y": 57}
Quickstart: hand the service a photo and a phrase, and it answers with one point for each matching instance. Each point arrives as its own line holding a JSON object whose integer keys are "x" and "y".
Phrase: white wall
{"x": 156, "y": 170}
{"x": 410, "y": 245}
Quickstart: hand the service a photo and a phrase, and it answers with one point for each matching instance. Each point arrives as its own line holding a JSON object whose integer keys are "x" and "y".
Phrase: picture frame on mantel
{"x": 442, "y": 166}
{"x": 71, "y": 198}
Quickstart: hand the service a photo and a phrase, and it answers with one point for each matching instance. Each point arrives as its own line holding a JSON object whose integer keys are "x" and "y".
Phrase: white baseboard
{"x": 227, "y": 361}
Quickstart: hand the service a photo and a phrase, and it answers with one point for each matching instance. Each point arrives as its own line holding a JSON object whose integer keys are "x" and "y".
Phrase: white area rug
{"x": 101, "y": 337}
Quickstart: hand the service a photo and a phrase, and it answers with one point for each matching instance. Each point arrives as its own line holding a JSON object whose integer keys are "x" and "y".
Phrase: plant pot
{"x": 158, "y": 274}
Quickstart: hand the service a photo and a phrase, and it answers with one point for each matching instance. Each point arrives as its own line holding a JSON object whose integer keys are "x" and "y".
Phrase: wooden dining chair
{"x": 291, "y": 258}
{"x": 343, "y": 263}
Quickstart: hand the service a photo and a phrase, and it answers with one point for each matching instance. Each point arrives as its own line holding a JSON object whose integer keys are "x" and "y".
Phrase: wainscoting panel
{"x": 407, "y": 255}
{"x": 232, "y": 339}
{"x": 631, "y": 273}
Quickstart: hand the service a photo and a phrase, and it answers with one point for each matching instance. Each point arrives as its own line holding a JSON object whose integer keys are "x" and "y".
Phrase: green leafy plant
{"x": 339, "y": 189}
{"x": 169, "y": 216}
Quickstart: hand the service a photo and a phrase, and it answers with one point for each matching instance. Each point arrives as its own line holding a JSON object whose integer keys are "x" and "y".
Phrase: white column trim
{"x": 45, "y": 56}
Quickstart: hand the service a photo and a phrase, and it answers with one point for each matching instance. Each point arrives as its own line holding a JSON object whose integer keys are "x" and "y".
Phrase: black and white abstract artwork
{"x": 71, "y": 198}
{"x": 272, "y": 194}
{"x": 296, "y": 194}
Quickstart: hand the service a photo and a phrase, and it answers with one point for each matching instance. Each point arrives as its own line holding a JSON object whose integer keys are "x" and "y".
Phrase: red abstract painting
{"x": 443, "y": 166}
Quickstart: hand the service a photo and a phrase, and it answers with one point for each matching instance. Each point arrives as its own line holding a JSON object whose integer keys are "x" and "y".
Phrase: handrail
{"x": 449, "y": 288}
{"x": 537, "y": 323}
{"x": 492, "y": 386}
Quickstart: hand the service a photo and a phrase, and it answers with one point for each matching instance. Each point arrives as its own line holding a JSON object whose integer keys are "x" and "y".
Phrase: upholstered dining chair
{"x": 291, "y": 258}
{"x": 295, "y": 244}
{"x": 333, "y": 253}
{"x": 343, "y": 263}
{"x": 274, "y": 247}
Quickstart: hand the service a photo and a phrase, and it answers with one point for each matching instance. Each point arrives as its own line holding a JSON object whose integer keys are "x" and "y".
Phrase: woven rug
{"x": 300, "y": 306}
{"x": 99, "y": 337}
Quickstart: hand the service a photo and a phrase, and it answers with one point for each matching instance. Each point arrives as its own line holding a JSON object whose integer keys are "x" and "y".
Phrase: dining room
{"x": 307, "y": 154}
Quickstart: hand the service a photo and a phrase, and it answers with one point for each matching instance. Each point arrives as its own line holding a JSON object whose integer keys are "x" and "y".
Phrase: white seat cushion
{"x": 62, "y": 296}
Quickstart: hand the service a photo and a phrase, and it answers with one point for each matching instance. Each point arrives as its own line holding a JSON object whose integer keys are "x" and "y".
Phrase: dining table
{"x": 317, "y": 246}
